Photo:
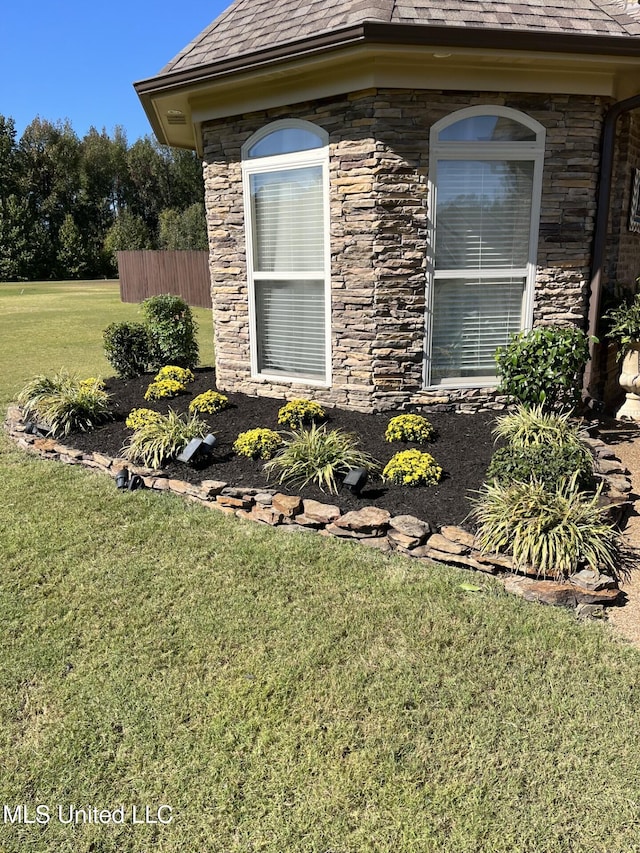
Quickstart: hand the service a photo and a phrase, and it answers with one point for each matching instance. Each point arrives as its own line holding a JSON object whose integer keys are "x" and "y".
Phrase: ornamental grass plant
{"x": 66, "y": 403}
{"x": 157, "y": 441}
{"x": 320, "y": 456}
{"x": 556, "y": 531}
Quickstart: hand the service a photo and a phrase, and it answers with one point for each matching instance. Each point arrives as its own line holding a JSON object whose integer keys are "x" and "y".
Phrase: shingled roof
{"x": 251, "y": 26}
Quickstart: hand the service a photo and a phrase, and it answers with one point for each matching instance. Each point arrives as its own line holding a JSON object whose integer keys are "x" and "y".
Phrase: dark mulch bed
{"x": 463, "y": 447}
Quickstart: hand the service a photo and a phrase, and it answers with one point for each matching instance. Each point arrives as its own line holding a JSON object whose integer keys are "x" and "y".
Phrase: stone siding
{"x": 379, "y": 156}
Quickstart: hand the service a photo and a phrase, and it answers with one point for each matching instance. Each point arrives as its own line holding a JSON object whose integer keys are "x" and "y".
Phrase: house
{"x": 393, "y": 187}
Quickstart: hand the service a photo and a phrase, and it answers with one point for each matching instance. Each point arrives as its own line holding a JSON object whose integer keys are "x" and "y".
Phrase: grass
{"x": 279, "y": 692}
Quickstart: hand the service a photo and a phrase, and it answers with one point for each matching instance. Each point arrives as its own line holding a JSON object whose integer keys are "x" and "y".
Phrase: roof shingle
{"x": 248, "y": 26}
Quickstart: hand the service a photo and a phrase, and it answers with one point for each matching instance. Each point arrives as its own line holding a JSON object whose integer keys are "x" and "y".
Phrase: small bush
{"x": 257, "y": 443}
{"x": 65, "y": 403}
{"x": 543, "y": 446}
{"x": 409, "y": 428}
{"x": 296, "y": 413}
{"x": 209, "y": 402}
{"x": 140, "y": 417}
{"x": 556, "y": 531}
{"x": 164, "y": 389}
{"x": 318, "y": 456}
{"x": 544, "y": 366}
{"x": 412, "y": 468}
{"x": 549, "y": 464}
{"x": 172, "y": 331}
{"x": 158, "y": 441}
{"x": 127, "y": 348}
{"x": 172, "y": 371}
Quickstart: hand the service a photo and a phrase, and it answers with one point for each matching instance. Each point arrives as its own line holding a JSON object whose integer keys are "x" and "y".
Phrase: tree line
{"x": 68, "y": 204}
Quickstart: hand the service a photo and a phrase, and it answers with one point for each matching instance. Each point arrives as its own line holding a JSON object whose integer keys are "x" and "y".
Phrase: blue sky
{"x": 78, "y": 60}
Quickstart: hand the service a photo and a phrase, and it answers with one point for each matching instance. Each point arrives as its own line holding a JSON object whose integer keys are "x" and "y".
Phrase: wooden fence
{"x": 147, "y": 273}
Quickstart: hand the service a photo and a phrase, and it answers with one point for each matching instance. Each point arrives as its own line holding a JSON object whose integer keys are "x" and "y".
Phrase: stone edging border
{"x": 587, "y": 592}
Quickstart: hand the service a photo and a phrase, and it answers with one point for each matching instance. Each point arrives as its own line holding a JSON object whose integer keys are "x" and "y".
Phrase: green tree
{"x": 183, "y": 229}
{"x": 71, "y": 253}
{"x": 129, "y": 232}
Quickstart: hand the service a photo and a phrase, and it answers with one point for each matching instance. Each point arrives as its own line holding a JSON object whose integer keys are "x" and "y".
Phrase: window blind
{"x": 291, "y": 327}
{"x": 471, "y": 319}
{"x": 288, "y": 220}
{"x": 483, "y": 214}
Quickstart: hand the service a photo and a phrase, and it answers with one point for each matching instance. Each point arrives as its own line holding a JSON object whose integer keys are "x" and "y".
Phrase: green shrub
{"x": 412, "y": 468}
{"x": 622, "y": 323}
{"x": 556, "y": 531}
{"x": 209, "y": 402}
{"x": 543, "y": 446}
{"x": 164, "y": 389}
{"x": 172, "y": 371}
{"x": 318, "y": 456}
{"x": 139, "y": 417}
{"x": 172, "y": 331}
{"x": 550, "y": 464}
{"x": 127, "y": 348}
{"x": 544, "y": 366}
{"x": 257, "y": 443}
{"x": 158, "y": 441}
{"x": 66, "y": 403}
{"x": 296, "y": 413}
{"x": 409, "y": 428}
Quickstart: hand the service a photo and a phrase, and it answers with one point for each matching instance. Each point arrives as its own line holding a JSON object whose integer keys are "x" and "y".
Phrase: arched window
{"x": 486, "y": 178}
{"x": 285, "y": 176}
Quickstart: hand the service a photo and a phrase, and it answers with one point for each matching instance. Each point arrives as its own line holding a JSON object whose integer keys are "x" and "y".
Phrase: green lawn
{"x": 281, "y": 692}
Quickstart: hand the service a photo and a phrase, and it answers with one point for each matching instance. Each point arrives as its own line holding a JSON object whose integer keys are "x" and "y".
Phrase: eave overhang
{"x": 388, "y": 55}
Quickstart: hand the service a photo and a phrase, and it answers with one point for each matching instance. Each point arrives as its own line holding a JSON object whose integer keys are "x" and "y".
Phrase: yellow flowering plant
{"x": 412, "y": 468}
{"x": 172, "y": 371}
{"x": 163, "y": 389}
{"x": 297, "y": 413}
{"x": 409, "y": 428}
{"x": 141, "y": 417}
{"x": 257, "y": 443}
{"x": 209, "y": 402}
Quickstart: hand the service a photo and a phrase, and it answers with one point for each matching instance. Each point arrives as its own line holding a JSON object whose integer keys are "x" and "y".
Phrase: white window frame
{"x": 532, "y": 151}
{"x": 275, "y": 163}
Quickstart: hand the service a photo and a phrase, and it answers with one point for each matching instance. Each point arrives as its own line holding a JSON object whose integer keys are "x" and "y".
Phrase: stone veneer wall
{"x": 379, "y": 154}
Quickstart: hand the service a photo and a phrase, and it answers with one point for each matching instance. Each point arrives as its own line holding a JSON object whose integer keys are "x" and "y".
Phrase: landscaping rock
{"x": 288, "y": 505}
{"x": 619, "y": 482}
{"x": 317, "y": 512}
{"x": 458, "y": 535}
{"x": 370, "y": 520}
{"x": 232, "y": 502}
{"x": 592, "y": 580}
{"x": 402, "y": 541}
{"x": 558, "y": 594}
{"x": 460, "y": 560}
{"x": 345, "y": 533}
{"x": 211, "y": 488}
{"x": 610, "y": 466}
{"x": 410, "y": 526}
{"x": 267, "y": 515}
{"x": 263, "y": 498}
{"x": 381, "y": 543}
{"x": 441, "y": 543}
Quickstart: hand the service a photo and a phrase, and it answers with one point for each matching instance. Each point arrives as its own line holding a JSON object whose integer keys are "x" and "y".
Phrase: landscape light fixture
{"x": 197, "y": 449}
{"x": 356, "y": 479}
{"x": 122, "y": 478}
{"x": 37, "y": 428}
{"x": 136, "y": 482}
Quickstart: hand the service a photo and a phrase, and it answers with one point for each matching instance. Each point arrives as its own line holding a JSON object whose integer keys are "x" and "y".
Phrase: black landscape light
{"x": 37, "y": 428}
{"x": 197, "y": 449}
{"x": 356, "y": 479}
{"x": 122, "y": 478}
{"x": 136, "y": 482}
